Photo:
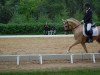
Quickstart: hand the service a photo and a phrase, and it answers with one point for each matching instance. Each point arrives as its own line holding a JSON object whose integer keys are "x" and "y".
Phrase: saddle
{"x": 94, "y": 29}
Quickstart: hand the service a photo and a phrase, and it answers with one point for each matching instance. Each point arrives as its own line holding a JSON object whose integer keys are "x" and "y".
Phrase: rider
{"x": 88, "y": 22}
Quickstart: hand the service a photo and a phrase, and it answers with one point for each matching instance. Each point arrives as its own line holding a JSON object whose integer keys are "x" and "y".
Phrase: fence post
{"x": 40, "y": 59}
{"x": 71, "y": 56}
{"x": 18, "y": 59}
{"x": 93, "y": 56}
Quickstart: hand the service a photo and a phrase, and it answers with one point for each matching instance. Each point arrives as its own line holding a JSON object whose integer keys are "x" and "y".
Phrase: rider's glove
{"x": 82, "y": 22}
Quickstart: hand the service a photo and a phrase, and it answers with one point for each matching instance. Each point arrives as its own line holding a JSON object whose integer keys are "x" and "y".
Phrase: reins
{"x": 72, "y": 27}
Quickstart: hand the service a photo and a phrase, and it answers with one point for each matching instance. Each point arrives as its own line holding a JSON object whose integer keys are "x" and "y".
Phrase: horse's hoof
{"x": 67, "y": 52}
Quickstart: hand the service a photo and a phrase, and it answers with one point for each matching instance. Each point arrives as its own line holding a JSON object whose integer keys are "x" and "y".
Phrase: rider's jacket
{"x": 88, "y": 16}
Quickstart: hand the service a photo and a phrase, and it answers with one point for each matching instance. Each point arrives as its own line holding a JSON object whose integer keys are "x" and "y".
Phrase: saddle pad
{"x": 95, "y": 31}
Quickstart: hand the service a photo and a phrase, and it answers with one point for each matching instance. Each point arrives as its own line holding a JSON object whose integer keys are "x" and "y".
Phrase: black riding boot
{"x": 86, "y": 32}
{"x": 89, "y": 34}
{"x": 90, "y": 38}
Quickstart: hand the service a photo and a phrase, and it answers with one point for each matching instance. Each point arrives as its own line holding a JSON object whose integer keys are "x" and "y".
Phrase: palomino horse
{"x": 76, "y": 26}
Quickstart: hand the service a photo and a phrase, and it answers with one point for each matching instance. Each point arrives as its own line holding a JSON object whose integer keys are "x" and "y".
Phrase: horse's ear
{"x": 63, "y": 20}
{"x": 66, "y": 20}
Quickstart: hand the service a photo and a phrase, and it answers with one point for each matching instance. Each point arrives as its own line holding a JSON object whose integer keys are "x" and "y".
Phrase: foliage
{"x": 97, "y": 7}
{"x": 26, "y": 28}
{"x": 59, "y": 72}
{"x": 2, "y": 2}
{"x": 97, "y": 23}
{"x": 50, "y": 8}
{"x": 5, "y": 14}
{"x": 53, "y": 8}
{"x": 23, "y": 13}
{"x": 28, "y": 6}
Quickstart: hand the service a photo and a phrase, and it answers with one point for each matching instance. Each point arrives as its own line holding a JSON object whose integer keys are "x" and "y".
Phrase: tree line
{"x": 50, "y": 9}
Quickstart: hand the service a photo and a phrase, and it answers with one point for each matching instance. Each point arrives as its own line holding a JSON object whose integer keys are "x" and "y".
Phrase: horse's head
{"x": 70, "y": 24}
{"x": 67, "y": 25}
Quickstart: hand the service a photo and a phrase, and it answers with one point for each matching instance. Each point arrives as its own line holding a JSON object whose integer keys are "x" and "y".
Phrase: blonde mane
{"x": 74, "y": 21}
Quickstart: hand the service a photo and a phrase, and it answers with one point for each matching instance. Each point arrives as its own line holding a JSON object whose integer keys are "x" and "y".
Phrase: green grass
{"x": 58, "y": 72}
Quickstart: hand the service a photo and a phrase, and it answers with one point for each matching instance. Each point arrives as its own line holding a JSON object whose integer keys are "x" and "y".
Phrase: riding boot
{"x": 86, "y": 32}
{"x": 90, "y": 40}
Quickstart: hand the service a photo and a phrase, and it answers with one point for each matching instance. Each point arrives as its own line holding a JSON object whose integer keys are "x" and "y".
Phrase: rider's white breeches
{"x": 89, "y": 26}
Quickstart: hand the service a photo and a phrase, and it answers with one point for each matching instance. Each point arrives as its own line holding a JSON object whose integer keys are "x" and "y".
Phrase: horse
{"x": 77, "y": 28}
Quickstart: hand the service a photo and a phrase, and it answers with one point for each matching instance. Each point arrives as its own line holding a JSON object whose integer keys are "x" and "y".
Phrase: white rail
{"x": 30, "y": 36}
{"x": 41, "y": 57}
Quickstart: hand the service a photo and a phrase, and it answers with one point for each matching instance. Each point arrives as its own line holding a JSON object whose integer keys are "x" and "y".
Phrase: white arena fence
{"x": 45, "y": 57}
{"x": 34, "y": 36}
{"x": 72, "y": 57}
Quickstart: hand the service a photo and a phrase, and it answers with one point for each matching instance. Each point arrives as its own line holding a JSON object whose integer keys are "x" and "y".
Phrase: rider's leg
{"x": 85, "y": 26}
{"x": 86, "y": 32}
{"x": 90, "y": 35}
{"x": 89, "y": 30}
{"x": 88, "y": 26}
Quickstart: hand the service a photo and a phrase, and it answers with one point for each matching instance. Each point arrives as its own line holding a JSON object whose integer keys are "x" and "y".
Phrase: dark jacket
{"x": 88, "y": 16}
{"x": 46, "y": 27}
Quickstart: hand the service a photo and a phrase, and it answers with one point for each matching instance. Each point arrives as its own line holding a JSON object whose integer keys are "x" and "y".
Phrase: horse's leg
{"x": 77, "y": 42}
{"x": 84, "y": 46}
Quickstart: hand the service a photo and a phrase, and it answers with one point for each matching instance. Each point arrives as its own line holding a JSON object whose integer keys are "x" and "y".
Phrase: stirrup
{"x": 90, "y": 41}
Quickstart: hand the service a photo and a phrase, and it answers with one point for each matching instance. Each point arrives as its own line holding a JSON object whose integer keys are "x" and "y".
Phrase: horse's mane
{"x": 73, "y": 20}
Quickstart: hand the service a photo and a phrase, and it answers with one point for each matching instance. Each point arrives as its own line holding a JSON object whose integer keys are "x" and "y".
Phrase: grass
{"x": 54, "y": 72}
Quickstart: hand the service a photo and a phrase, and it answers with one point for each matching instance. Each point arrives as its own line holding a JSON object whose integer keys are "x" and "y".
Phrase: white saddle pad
{"x": 95, "y": 31}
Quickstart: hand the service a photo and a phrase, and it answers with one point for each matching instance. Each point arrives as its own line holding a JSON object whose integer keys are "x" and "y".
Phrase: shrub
{"x": 97, "y": 23}
{"x": 27, "y": 28}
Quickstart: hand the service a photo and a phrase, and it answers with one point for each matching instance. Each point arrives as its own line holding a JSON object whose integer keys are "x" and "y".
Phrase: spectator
{"x": 53, "y": 30}
{"x": 46, "y": 29}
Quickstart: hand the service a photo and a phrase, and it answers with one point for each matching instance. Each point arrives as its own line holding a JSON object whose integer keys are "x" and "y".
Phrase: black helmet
{"x": 87, "y": 5}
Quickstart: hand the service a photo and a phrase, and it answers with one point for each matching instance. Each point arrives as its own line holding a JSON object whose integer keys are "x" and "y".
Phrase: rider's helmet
{"x": 87, "y": 5}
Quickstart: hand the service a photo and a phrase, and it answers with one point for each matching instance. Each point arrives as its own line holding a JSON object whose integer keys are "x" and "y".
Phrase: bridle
{"x": 71, "y": 26}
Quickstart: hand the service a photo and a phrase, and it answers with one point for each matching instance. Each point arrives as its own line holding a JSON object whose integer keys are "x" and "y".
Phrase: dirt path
{"x": 42, "y": 46}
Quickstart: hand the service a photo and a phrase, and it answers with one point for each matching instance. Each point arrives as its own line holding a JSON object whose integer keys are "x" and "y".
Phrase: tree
{"x": 5, "y": 11}
{"x": 97, "y": 8}
{"x": 2, "y": 2}
{"x": 5, "y": 15}
{"x": 53, "y": 8}
{"x": 28, "y": 6}
{"x": 71, "y": 6}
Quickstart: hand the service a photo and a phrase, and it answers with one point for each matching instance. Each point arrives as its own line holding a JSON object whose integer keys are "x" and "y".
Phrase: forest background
{"x": 30, "y": 16}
